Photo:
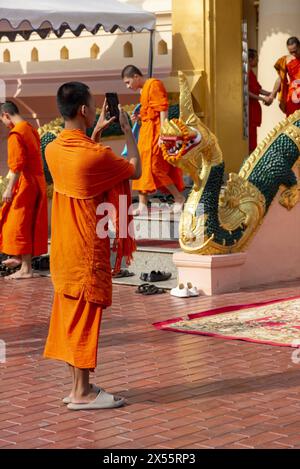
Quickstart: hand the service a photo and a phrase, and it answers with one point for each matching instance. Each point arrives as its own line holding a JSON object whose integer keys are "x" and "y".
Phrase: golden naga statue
{"x": 221, "y": 219}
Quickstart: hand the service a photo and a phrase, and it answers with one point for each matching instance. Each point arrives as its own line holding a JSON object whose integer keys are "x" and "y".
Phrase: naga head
{"x": 179, "y": 141}
{"x": 186, "y": 142}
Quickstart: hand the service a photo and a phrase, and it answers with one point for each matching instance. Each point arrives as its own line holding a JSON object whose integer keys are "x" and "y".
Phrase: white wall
{"x": 35, "y": 78}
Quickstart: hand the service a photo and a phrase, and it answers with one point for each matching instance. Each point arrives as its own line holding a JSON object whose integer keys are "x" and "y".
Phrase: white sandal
{"x": 67, "y": 399}
{"x": 181, "y": 291}
{"x": 193, "y": 291}
{"x": 104, "y": 400}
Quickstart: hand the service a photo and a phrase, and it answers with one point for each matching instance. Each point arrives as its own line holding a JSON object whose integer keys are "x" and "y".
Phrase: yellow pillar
{"x": 227, "y": 79}
{"x": 207, "y": 46}
{"x": 188, "y": 52}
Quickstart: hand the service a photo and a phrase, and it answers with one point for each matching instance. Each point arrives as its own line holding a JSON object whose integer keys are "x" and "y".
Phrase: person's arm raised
{"x": 132, "y": 149}
{"x": 102, "y": 123}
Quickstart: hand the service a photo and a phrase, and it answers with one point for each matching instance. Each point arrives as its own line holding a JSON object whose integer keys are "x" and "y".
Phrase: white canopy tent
{"x": 57, "y": 16}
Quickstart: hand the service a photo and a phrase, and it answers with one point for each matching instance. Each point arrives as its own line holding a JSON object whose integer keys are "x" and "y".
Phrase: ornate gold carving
{"x": 290, "y": 197}
{"x": 293, "y": 133}
{"x": 234, "y": 201}
{"x": 54, "y": 127}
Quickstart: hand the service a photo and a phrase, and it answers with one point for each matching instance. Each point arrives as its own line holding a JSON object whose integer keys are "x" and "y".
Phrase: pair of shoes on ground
{"x": 123, "y": 273}
{"x": 182, "y": 291}
{"x": 155, "y": 276}
{"x": 148, "y": 289}
{"x": 104, "y": 400}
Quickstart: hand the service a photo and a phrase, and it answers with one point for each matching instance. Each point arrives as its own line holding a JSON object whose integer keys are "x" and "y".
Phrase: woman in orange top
{"x": 157, "y": 174}
{"x": 288, "y": 82}
{"x": 23, "y": 217}
{"x": 86, "y": 176}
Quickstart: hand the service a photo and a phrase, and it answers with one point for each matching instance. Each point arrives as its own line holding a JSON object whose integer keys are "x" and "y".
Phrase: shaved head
{"x": 9, "y": 107}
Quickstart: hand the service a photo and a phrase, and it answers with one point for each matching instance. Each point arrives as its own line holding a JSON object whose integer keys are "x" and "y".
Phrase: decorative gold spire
{"x": 187, "y": 113}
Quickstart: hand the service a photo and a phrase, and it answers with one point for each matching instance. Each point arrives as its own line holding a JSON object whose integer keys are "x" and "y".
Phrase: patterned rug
{"x": 273, "y": 323}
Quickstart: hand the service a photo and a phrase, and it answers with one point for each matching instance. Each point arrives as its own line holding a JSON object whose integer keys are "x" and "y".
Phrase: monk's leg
{"x": 142, "y": 207}
{"x": 82, "y": 392}
{"x": 25, "y": 271}
{"x": 72, "y": 372}
{"x": 178, "y": 197}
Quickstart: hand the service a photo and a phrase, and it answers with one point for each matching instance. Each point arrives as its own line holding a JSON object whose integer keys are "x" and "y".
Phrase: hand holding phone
{"x": 112, "y": 101}
{"x": 102, "y": 123}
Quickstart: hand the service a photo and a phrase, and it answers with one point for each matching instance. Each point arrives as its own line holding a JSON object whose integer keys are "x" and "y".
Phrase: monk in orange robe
{"x": 23, "y": 216}
{"x": 87, "y": 176}
{"x": 288, "y": 82}
{"x": 157, "y": 174}
{"x": 256, "y": 94}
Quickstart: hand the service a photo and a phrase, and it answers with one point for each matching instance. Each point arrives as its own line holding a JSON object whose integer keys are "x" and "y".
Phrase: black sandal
{"x": 155, "y": 276}
{"x": 159, "y": 276}
{"x": 142, "y": 288}
{"x": 153, "y": 290}
{"x": 123, "y": 273}
{"x": 144, "y": 276}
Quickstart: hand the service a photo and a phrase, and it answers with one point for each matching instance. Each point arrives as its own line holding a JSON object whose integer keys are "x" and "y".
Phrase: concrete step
{"x": 157, "y": 224}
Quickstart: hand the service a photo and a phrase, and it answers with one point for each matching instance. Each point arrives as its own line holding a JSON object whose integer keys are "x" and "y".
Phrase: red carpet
{"x": 274, "y": 323}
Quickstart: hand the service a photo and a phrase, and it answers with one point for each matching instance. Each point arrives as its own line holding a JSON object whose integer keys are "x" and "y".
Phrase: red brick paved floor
{"x": 184, "y": 391}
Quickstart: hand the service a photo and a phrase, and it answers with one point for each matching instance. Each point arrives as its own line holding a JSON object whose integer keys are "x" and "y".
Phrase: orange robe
{"x": 85, "y": 174}
{"x": 289, "y": 95}
{"x": 293, "y": 98}
{"x": 24, "y": 221}
{"x": 156, "y": 172}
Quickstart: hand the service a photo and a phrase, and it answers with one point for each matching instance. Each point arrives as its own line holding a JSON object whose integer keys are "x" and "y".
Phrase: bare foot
{"x": 91, "y": 396}
{"x": 19, "y": 275}
{"x": 92, "y": 388}
{"x": 12, "y": 262}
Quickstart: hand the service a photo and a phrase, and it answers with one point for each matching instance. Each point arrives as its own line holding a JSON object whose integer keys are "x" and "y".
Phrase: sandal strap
{"x": 143, "y": 287}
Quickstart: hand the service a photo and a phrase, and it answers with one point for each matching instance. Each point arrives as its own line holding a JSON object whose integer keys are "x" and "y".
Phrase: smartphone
{"x": 112, "y": 101}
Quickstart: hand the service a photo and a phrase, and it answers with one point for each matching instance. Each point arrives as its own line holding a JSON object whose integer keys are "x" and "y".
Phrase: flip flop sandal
{"x": 104, "y": 400}
{"x": 67, "y": 399}
{"x": 153, "y": 290}
{"x": 123, "y": 273}
{"x": 142, "y": 288}
{"x": 159, "y": 276}
{"x": 144, "y": 276}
